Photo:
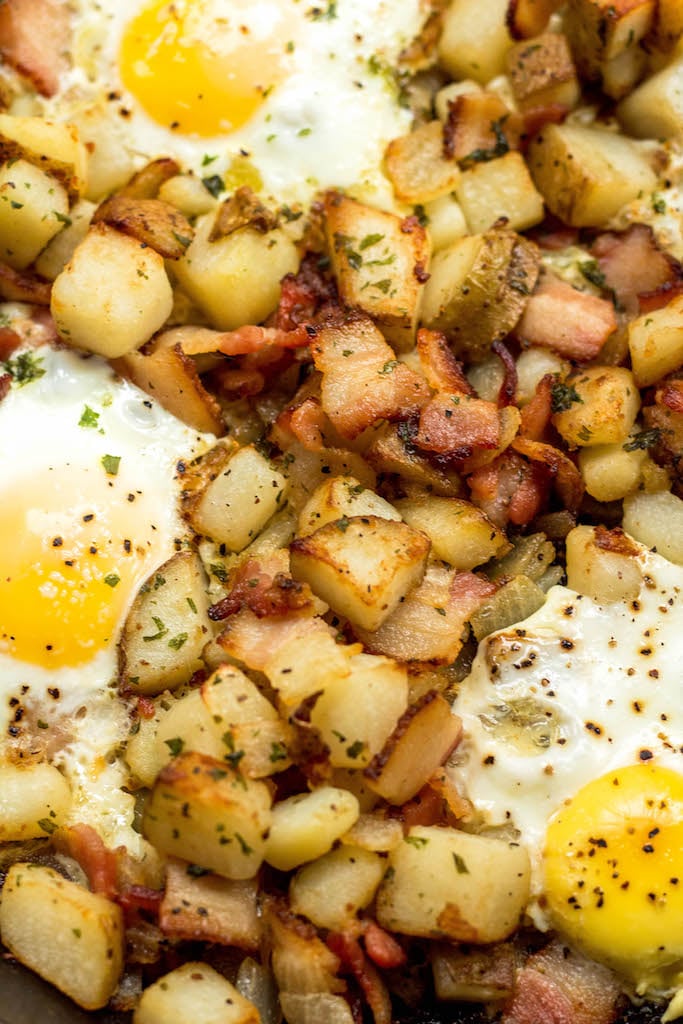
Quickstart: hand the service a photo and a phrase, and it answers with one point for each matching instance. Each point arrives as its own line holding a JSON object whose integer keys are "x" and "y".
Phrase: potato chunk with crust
{"x": 33, "y": 209}
{"x": 194, "y": 994}
{"x": 603, "y": 404}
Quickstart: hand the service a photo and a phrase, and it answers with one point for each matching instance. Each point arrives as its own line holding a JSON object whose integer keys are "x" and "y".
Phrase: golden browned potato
{"x": 542, "y": 72}
{"x": 602, "y": 403}
{"x": 475, "y": 39}
{"x": 34, "y": 208}
{"x": 53, "y": 147}
{"x": 417, "y": 167}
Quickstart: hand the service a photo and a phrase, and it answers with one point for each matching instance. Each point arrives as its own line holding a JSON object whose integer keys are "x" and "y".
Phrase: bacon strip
{"x": 264, "y": 591}
{"x": 348, "y": 949}
{"x": 633, "y": 265}
{"x": 572, "y": 323}
{"x": 34, "y": 38}
{"x": 382, "y": 947}
{"x": 85, "y": 845}
{"x": 456, "y": 425}
{"x": 22, "y": 285}
{"x": 442, "y": 370}
{"x": 510, "y": 490}
{"x": 568, "y": 480}
{"x": 536, "y": 414}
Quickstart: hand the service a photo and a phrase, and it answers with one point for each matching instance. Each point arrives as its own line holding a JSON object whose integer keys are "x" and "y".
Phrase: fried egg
{"x": 284, "y": 95}
{"x": 574, "y": 742}
{"x": 88, "y": 510}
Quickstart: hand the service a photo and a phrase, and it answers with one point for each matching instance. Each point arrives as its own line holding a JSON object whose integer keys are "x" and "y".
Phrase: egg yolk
{"x": 613, "y": 865}
{"x": 204, "y": 67}
{"x": 69, "y": 567}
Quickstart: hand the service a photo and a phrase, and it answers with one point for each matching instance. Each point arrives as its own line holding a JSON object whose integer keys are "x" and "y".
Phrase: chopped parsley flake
{"x": 111, "y": 464}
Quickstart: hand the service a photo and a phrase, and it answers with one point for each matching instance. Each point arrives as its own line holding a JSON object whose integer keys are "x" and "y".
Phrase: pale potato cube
{"x": 356, "y": 714}
{"x": 61, "y": 248}
{"x": 604, "y": 569}
{"x": 459, "y": 531}
{"x": 113, "y": 312}
{"x": 33, "y": 208}
{"x": 68, "y": 935}
{"x": 203, "y": 811}
{"x": 111, "y": 161}
{"x": 341, "y": 496}
{"x": 305, "y": 662}
{"x": 454, "y": 885}
{"x": 187, "y": 725}
{"x": 362, "y": 567}
{"x": 307, "y": 825}
{"x": 655, "y": 341}
{"x": 235, "y": 279}
{"x": 532, "y": 365}
{"x": 605, "y": 409}
{"x": 34, "y": 801}
{"x": 445, "y": 221}
{"x": 500, "y": 188}
{"x": 610, "y": 472}
{"x": 194, "y": 993}
{"x": 187, "y": 194}
{"x": 332, "y": 889}
{"x": 475, "y": 39}
{"x": 52, "y": 146}
{"x": 656, "y": 520}
{"x": 167, "y": 627}
{"x": 374, "y": 832}
{"x": 587, "y": 174}
{"x": 142, "y": 755}
{"x": 239, "y": 500}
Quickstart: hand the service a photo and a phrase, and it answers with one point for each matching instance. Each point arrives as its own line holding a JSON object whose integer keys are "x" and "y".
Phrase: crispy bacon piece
{"x": 660, "y": 296}
{"x": 306, "y": 422}
{"x": 382, "y": 948}
{"x": 457, "y": 425}
{"x": 536, "y": 117}
{"x": 5, "y": 384}
{"x": 558, "y": 986}
{"x": 536, "y": 414}
{"x": 196, "y": 341}
{"x": 508, "y": 389}
{"x": 137, "y": 899}
{"x": 34, "y": 40}
{"x": 22, "y": 285}
{"x": 303, "y": 294}
{"x": 348, "y": 949}
{"x": 670, "y": 395}
{"x": 255, "y": 641}
{"x": 240, "y": 382}
{"x": 85, "y": 845}
{"x": 633, "y": 264}
{"x": 572, "y": 323}
{"x": 552, "y": 234}
{"x": 563, "y": 472}
{"x": 442, "y": 370}
{"x": 9, "y": 341}
{"x": 264, "y": 592}
{"x": 510, "y": 490}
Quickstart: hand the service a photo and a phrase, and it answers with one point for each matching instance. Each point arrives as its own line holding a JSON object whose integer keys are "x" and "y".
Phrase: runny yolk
{"x": 205, "y": 67}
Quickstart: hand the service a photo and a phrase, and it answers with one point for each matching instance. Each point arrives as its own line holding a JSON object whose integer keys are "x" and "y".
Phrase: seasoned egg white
{"x": 285, "y": 95}
{"x": 88, "y": 510}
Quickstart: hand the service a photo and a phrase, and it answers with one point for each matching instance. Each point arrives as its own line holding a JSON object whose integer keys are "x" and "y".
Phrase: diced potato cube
{"x": 61, "y": 248}
{"x": 542, "y": 72}
{"x": 587, "y": 174}
{"x": 114, "y": 312}
{"x": 655, "y": 341}
{"x": 600, "y": 30}
{"x": 306, "y": 662}
{"x": 532, "y": 365}
{"x": 475, "y": 39}
{"x": 610, "y": 472}
{"x": 500, "y": 188}
{"x": 362, "y": 567}
{"x": 188, "y": 194}
{"x": 460, "y": 532}
{"x": 194, "y": 993}
{"x": 655, "y": 108}
{"x": 203, "y": 811}
{"x": 379, "y": 261}
{"x": 656, "y": 520}
{"x": 68, "y": 935}
{"x": 167, "y": 627}
{"x": 33, "y": 209}
{"x": 604, "y": 410}
{"x": 356, "y": 715}
{"x": 445, "y": 221}
{"x": 452, "y": 884}
{"x": 307, "y": 825}
{"x": 235, "y": 279}
{"x": 602, "y": 565}
{"x": 52, "y": 146}
{"x": 668, "y": 23}
{"x": 341, "y": 496}
{"x": 417, "y": 167}
{"x": 34, "y": 800}
{"x": 332, "y": 889}
{"x": 620, "y": 74}
{"x": 239, "y": 499}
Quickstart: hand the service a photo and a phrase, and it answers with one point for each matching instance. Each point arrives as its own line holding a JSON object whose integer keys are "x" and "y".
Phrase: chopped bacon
{"x": 146, "y": 707}
{"x": 562, "y": 318}
{"x": 457, "y": 425}
{"x": 563, "y": 472}
{"x": 536, "y": 117}
{"x": 33, "y": 40}
{"x": 348, "y": 949}
{"x": 558, "y": 986}
{"x": 670, "y": 394}
{"x": 262, "y": 591}
{"x": 196, "y": 341}
{"x": 426, "y": 808}
{"x": 86, "y": 846}
{"x": 508, "y": 389}
{"x": 9, "y": 341}
{"x": 23, "y": 285}
{"x": 134, "y": 899}
{"x": 306, "y": 422}
{"x": 536, "y": 414}
{"x": 633, "y": 264}
{"x": 660, "y": 296}
{"x": 5, "y": 384}
{"x": 382, "y": 948}
{"x": 442, "y": 370}
{"x": 552, "y": 235}
{"x": 303, "y": 294}
{"x": 241, "y": 382}
{"x": 255, "y": 641}
{"x": 510, "y": 490}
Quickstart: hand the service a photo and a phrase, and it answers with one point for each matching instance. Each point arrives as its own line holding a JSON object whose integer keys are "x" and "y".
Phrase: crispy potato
{"x": 113, "y": 313}
{"x": 587, "y": 174}
{"x": 150, "y": 221}
{"x": 460, "y": 532}
{"x": 245, "y": 490}
{"x": 668, "y": 23}
{"x": 417, "y": 167}
{"x": 604, "y": 410}
{"x": 204, "y": 811}
{"x": 542, "y": 72}
{"x": 332, "y": 889}
{"x": 71, "y": 937}
{"x": 338, "y": 497}
{"x": 380, "y": 262}
{"x": 33, "y": 209}
{"x": 307, "y": 825}
{"x": 475, "y": 39}
{"x": 479, "y": 126}
{"x": 194, "y": 993}
{"x": 655, "y": 341}
{"x": 601, "y": 30}
{"x": 453, "y": 884}
{"x": 478, "y": 289}
{"x": 601, "y": 567}
{"x": 166, "y": 627}
{"x": 34, "y": 801}
{"x": 146, "y": 183}
{"x": 235, "y": 280}
{"x": 362, "y": 566}
{"x": 500, "y": 188}
{"x": 53, "y": 147}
